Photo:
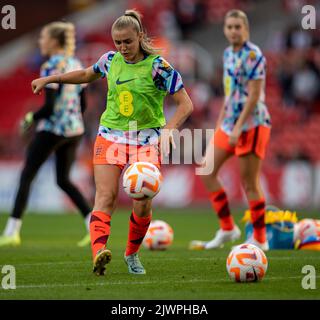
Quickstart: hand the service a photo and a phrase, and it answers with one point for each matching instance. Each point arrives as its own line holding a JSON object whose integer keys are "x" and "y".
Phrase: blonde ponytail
{"x": 70, "y": 39}
{"x": 132, "y": 18}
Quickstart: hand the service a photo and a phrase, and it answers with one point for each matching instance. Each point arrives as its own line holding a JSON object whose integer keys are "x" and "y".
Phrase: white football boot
{"x": 263, "y": 246}
{"x": 218, "y": 241}
{"x": 134, "y": 264}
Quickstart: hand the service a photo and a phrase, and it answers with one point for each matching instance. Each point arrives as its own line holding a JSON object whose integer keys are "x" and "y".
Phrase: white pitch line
{"x": 31, "y": 264}
{"x": 104, "y": 283}
{"x": 151, "y": 258}
{"x": 269, "y": 258}
{"x": 117, "y": 283}
{"x": 73, "y": 262}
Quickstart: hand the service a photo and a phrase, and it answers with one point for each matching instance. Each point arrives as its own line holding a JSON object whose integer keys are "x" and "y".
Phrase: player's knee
{"x": 105, "y": 200}
{"x": 209, "y": 179}
{"x": 250, "y": 186}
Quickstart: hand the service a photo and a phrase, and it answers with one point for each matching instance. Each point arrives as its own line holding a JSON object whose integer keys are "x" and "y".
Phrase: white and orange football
{"x": 142, "y": 180}
{"x": 159, "y": 236}
{"x": 247, "y": 263}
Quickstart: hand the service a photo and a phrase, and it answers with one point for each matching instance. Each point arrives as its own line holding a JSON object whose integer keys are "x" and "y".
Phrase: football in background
{"x": 159, "y": 236}
{"x": 306, "y": 228}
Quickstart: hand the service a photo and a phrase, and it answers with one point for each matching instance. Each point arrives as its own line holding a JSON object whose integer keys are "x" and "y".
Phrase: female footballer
{"x": 59, "y": 128}
{"x": 138, "y": 80}
{"x": 242, "y": 129}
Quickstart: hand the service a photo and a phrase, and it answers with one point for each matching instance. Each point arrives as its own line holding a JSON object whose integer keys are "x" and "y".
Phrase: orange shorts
{"x": 120, "y": 154}
{"x": 254, "y": 141}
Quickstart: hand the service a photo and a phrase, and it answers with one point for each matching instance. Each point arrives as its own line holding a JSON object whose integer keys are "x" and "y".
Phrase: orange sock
{"x": 138, "y": 228}
{"x": 257, "y": 208}
{"x": 99, "y": 230}
{"x": 220, "y": 204}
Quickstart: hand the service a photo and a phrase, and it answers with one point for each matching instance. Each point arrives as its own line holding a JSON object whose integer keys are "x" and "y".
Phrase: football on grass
{"x": 247, "y": 263}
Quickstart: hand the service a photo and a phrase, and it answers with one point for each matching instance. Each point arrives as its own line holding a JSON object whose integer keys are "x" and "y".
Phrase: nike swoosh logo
{"x": 121, "y": 82}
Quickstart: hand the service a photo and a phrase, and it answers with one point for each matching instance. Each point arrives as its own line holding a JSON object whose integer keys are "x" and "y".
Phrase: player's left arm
{"x": 168, "y": 79}
{"x": 184, "y": 109}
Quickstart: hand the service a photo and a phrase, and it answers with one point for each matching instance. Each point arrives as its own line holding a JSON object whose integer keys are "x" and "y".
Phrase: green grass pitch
{"x": 49, "y": 265}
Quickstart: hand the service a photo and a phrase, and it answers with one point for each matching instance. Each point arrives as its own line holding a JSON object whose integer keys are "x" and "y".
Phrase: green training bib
{"x": 133, "y": 96}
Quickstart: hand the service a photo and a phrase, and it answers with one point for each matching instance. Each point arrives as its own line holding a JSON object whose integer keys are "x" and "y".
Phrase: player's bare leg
{"x": 250, "y": 167}
{"x": 107, "y": 185}
{"x": 228, "y": 230}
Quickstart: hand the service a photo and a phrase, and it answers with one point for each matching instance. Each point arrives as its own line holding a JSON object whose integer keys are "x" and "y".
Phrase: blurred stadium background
{"x": 190, "y": 32}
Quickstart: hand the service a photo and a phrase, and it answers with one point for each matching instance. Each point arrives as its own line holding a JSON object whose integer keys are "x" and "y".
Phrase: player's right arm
{"x": 74, "y": 77}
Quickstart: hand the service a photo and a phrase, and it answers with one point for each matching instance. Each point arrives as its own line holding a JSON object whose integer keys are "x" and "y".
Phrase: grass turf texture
{"x": 49, "y": 265}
